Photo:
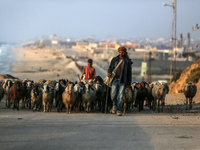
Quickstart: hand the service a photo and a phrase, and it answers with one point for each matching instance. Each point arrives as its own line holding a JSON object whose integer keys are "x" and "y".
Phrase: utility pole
{"x": 174, "y": 9}
{"x": 144, "y": 61}
{"x": 149, "y": 68}
{"x": 173, "y": 45}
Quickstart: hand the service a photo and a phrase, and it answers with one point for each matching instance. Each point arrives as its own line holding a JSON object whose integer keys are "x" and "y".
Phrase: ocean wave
{"x": 6, "y": 57}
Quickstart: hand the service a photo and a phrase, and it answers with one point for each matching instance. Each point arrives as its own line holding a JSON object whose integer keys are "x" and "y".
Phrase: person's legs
{"x": 120, "y": 97}
{"x": 114, "y": 93}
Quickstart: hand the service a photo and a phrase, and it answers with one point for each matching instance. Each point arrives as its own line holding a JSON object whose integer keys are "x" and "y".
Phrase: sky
{"x": 22, "y": 20}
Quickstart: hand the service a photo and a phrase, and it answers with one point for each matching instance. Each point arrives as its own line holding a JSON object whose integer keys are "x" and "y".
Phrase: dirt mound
{"x": 6, "y": 76}
{"x": 176, "y": 87}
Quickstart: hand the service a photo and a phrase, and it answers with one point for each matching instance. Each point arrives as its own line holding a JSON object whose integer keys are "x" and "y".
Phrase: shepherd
{"x": 122, "y": 80}
{"x": 88, "y": 71}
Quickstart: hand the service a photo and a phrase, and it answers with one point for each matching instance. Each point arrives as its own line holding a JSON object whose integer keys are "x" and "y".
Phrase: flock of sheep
{"x": 92, "y": 95}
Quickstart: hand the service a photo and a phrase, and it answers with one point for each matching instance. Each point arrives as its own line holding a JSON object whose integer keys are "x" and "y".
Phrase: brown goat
{"x": 16, "y": 93}
{"x": 36, "y": 96}
{"x": 6, "y": 86}
{"x": 69, "y": 98}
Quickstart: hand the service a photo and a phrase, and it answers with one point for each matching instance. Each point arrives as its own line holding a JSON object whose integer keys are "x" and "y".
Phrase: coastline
{"x": 43, "y": 63}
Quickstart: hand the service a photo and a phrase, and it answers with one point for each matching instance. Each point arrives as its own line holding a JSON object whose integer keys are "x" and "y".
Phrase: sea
{"x": 7, "y": 57}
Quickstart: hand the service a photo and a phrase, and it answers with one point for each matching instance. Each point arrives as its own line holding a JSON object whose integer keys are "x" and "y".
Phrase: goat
{"x": 189, "y": 91}
{"x": 6, "y": 86}
{"x": 58, "y": 91}
{"x": 69, "y": 98}
{"x": 16, "y": 93}
{"x": 27, "y": 85}
{"x": 159, "y": 92}
{"x": 149, "y": 95}
{"x": 1, "y": 92}
{"x": 127, "y": 100}
{"x": 98, "y": 101}
{"x": 36, "y": 96}
{"x": 141, "y": 95}
{"x": 78, "y": 90}
{"x": 88, "y": 97}
{"x": 47, "y": 97}
{"x": 106, "y": 98}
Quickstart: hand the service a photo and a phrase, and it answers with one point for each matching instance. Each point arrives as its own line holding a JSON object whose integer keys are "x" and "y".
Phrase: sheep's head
{"x": 45, "y": 88}
{"x": 90, "y": 82}
{"x": 98, "y": 86}
{"x": 69, "y": 88}
{"x": 87, "y": 88}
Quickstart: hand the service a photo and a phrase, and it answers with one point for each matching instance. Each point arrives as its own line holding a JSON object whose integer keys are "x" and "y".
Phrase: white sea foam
{"x": 6, "y": 57}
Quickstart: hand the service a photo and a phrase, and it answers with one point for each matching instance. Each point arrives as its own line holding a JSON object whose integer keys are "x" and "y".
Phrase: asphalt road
{"x": 25, "y": 129}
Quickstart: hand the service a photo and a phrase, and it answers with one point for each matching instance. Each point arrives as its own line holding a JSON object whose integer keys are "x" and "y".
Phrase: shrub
{"x": 194, "y": 75}
{"x": 176, "y": 76}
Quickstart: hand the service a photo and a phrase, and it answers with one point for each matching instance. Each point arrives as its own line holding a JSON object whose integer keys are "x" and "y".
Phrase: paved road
{"x": 25, "y": 129}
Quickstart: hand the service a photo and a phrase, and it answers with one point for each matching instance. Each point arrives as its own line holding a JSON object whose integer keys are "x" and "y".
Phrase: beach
{"x": 43, "y": 63}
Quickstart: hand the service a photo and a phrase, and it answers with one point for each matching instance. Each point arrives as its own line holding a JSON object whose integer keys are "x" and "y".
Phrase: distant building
{"x": 108, "y": 44}
{"x": 129, "y": 45}
{"x": 80, "y": 45}
{"x": 91, "y": 46}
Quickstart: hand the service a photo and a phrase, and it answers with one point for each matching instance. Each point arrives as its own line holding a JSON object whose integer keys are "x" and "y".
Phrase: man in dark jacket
{"x": 122, "y": 79}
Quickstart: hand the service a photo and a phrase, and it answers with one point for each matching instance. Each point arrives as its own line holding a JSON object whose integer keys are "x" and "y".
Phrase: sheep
{"x": 16, "y": 93}
{"x": 98, "y": 101}
{"x": 1, "y": 92}
{"x": 129, "y": 97}
{"x": 36, "y": 96}
{"x": 48, "y": 96}
{"x": 6, "y": 86}
{"x": 78, "y": 90}
{"x": 127, "y": 100}
{"x": 149, "y": 95}
{"x": 88, "y": 97}
{"x": 27, "y": 85}
{"x": 189, "y": 91}
{"x": 69, "y": 97}
{"x": 134, "y": 91}
{"x": 58, "y": 91}
{"x": 141, "y": 95}
{"x": 159, "y": 92}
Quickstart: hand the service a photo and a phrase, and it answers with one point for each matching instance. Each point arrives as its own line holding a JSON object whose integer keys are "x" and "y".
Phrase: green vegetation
{"x": 194, "y": 75}
{"x": 187, "y": 137}
{"x": 176, "y": 76}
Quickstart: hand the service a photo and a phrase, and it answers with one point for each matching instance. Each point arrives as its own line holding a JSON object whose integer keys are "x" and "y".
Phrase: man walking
{"x": 122, "y": 79}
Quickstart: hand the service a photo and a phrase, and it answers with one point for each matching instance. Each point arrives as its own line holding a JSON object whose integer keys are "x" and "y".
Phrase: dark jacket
{"x": 126, "y": 71}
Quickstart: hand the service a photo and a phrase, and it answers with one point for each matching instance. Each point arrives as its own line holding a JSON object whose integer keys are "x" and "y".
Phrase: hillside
{"x": 177, "y": 86}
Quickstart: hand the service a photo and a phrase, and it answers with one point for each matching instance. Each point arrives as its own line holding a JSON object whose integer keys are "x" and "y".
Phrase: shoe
{"x": 119, "y": 113}
{"x": 114, "y": 109}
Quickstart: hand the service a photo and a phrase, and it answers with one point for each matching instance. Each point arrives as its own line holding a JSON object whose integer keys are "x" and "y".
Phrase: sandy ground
{"x": 173, "y": 129}
{"x": 45, "y": 63}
